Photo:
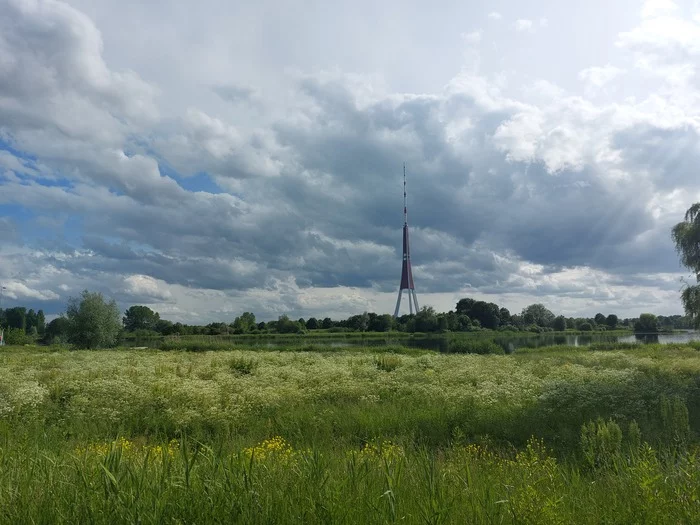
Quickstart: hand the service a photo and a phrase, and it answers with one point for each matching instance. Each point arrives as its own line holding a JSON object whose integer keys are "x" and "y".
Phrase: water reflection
{"x": 510, "y": 343}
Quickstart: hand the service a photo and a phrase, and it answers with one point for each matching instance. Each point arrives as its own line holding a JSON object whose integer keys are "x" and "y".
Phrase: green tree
{"x": 488, "y": 314}
{"x": 140, "y": 318}
{"x": 93, "y": 321}
{"x": 312, "y": 323}
{"x": 381, "y": 323}
{"x": 686, "y": 236}
{"x": 537, "y": 314}
{"x": 611, "y": 321}
{"x": 464, "y": 306}
{"x": 16, "y": 317}
{"x": 599, "y": 319}
{"x": 40, "y": 322}
{"x": 647, "y": 324}
{"x": 31, "y": 319}
{"x": 559, "y": 323}
{"x": 327, "y": 323}
{"x": 426, "y": 320}
{"x": 57, "y": 331}
{"x": 244, "y": 323}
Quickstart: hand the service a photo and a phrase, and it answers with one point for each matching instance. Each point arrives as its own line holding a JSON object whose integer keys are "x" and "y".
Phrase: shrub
{"x": 601, "y": 442}
{"x": 586, "y": 327}
{"x": 387, "y": 362}
{"x": 243, "y": 365}
{"x": 16, "y": 336}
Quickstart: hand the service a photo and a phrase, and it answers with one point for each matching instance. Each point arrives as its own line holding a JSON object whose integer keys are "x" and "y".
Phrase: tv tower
{"x": 406, "y": 273}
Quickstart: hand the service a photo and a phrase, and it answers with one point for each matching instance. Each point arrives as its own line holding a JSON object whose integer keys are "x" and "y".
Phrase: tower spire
{"x": 406, "y": 272}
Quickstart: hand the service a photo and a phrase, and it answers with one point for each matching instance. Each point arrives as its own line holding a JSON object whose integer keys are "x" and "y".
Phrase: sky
{"x": 213, "y": 158}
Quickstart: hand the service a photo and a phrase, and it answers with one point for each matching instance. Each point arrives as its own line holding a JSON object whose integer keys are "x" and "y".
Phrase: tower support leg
{"x": 398, "y": 305}
{"x": 415, "y": 299}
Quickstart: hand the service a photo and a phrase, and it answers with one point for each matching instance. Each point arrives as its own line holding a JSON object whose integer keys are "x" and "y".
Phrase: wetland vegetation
{"x": 607, "y": 434}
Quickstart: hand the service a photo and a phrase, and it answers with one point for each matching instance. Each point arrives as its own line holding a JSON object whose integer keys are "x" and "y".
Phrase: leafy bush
{"x": 16, "y": 336}
{"x": 586, "y": 327}
{"x": 387, "y": 362}
{"x": 601, "y": 443}
{"x": 242, "y": 365}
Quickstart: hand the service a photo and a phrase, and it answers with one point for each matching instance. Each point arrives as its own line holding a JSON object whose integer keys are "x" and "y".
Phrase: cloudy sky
{"x": 214, "y": 157}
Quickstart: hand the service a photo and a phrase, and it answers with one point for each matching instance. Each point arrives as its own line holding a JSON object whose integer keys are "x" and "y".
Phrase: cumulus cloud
{"x": 561, "y": 198}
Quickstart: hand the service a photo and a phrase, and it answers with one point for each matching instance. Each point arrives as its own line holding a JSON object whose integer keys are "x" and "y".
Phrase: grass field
{"x": 559, "y": 435}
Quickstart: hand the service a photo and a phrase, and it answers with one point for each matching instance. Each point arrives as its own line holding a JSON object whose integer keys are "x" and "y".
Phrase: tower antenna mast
{"x": 406, "y": 271}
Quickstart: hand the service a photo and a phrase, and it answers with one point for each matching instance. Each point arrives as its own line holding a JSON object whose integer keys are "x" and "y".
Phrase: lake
{"x": 510, "y": 343}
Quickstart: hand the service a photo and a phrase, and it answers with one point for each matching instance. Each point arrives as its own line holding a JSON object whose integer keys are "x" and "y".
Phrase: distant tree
{"x": 359, "y": 322}
{"x": 327, "y": 323}
{"x": 559, "y": 323}
{"x": 464, "y": 306}
{"x": 40, "y": 322}
{"x": 57, "y": 331}
{"x": 16, "y": 317}
{"x": 647, "y": 324}
{"x": 218, "y": 329}
{"x": 599, "y": 319}
{"x": 94, "y": 322}
{"x": 31, "y": 320}
{"x": 286, "y": 326}
{"x": 262, "y": 325}
{"x": 486, "y": 313}
{"x": 381, "y": 323}
{"x": 586, "y": 327}
{"x": 244, "y": 323}
{"x": 611, "y": 321}
{"x": 140, "y": 318}
{"x": 537, "y": 314}
{"x": 426, "y": 320}
{"x": 312, "y": 323}
{"x": 442, "y": 322}
{"x": 165, "y": 327}
{"x": 504, "y": 316}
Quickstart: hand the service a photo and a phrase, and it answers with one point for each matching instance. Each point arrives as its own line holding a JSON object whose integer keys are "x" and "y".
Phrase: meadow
{"x": 556, "y": 435}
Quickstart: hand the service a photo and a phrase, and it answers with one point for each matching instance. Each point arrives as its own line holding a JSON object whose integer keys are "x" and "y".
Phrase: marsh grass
{"x": 143, "y": 436}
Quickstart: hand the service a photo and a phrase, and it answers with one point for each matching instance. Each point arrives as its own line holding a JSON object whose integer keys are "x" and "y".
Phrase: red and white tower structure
{"x": 406, "y": 273}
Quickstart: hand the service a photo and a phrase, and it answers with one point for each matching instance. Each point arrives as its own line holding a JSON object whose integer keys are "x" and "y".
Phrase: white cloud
{"x": 520, "y": 190}
{"x": 524, "y": 25}
{"x": 495, "y": 15}
{"x": 472, "y": 38}
{"x": 654, "y": 7}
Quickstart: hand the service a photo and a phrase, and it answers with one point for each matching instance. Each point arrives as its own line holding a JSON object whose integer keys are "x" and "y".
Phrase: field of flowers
{"x": 560, "y": 435}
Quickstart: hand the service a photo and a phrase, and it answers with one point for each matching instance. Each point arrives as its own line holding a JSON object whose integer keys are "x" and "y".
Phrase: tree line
{"x": 91, "y": 321}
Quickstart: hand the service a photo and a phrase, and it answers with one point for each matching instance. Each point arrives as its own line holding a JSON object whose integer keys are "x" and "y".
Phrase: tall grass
{"x": 558, "y": 436}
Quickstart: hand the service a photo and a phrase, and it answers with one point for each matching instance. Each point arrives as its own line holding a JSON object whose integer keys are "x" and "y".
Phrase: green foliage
{"x": 601, "y": 443}
{"x": 334, "y": 436}
{"x": 675, "y": 429}
{"x": 93, "y": 322}
{"x": 387, "y": 362}
{"x": 646, "y": 324}
{"x": 244, "y": 323}
{"x": 537, "y": 314}
{"x": 586, "y": 327}
{"x": 57, "y": 331}
{"x": 243, "y": 365}
{"x": 559, "y": 323}
{"x": 474, "y": 346}
{"x": 16, "y": 336}
{"x": 140, "y": 318}
{"x": 611, "y": 321}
